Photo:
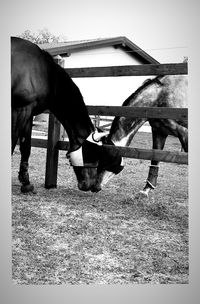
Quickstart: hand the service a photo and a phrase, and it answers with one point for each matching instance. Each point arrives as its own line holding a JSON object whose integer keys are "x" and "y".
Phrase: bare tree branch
{"x": 42, "y": 36}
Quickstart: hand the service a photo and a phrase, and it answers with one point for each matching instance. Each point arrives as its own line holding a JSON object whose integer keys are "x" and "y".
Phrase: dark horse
{"x": 38, "y": 84}
{"x": 161, "y": 91}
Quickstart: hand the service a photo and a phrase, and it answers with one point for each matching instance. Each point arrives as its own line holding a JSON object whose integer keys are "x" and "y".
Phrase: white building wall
{"x": 104, "y": 56}
{"x": 108, "y": 90}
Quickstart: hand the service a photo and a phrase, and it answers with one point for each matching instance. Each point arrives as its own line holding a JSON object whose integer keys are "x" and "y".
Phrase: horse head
{"x": 85, "y": 161}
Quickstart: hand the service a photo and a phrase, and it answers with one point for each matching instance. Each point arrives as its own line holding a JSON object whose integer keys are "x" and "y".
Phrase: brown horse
{"x": 38, "y": 84}
{"x": 161, "y": 91}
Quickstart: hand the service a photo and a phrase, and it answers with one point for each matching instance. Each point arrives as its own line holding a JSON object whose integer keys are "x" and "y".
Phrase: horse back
{"x": 30, "y": 73}
{"x": 174, "y": 91}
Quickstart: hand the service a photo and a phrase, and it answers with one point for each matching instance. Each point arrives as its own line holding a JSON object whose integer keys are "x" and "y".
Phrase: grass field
{"x": 65, "y": 236}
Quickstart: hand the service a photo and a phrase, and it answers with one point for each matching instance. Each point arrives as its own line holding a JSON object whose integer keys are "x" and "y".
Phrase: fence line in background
{"x": 130, "y": 70}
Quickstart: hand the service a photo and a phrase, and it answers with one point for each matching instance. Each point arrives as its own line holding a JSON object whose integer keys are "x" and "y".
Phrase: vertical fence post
{"x": 96, "y": 121}
{"x": 52, "y": 150}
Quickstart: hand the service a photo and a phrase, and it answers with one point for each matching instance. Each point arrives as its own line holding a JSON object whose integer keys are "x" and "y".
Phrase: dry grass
{"x": 65, "y": 236}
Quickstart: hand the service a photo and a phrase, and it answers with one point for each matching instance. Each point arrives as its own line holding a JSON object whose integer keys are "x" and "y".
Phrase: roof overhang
{"x": 66, "y": 48}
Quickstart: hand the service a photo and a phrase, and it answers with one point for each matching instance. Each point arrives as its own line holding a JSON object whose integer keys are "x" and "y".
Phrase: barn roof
{"x": 66, "y": 48}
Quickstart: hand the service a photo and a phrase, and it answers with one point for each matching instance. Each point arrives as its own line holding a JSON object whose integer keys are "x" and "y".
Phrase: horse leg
{"x": 13, "y": 142}
{"x": 25, "y": 149}
{"x": 158, "y": 143}
{"x": 177, "y": 130}
{"x": 183, "y": 137}
{"x": 15, "y": 130}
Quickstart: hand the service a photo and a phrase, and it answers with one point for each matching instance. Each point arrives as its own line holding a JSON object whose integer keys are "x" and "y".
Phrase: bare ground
{"x": 65, "y": 236}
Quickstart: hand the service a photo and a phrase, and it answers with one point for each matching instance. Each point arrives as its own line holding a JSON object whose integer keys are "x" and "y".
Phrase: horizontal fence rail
{"x": 145, "y": 154}
{"x": 54, "y": 144}
{"x": 139, "y": 112}
{"x": 130, "y": 70}
{"x": 161, "y": 113}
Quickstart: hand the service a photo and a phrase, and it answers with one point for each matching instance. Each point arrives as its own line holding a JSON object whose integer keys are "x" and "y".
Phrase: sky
{"x": 161, "y": 28}
{"x": 165, "y": 29}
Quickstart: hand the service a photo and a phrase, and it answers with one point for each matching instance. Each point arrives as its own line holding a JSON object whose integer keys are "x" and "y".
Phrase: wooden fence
{"x": 54, "y": 144}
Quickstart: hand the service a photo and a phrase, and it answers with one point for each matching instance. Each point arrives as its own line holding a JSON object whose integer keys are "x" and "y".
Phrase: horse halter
{"x": 76, "y": 157}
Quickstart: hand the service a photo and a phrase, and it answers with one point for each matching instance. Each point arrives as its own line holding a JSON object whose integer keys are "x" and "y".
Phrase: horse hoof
{"x": 27, "y": 188}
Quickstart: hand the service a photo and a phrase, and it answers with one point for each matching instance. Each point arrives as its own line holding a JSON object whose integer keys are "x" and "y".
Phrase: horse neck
{"x": 123, "y": 129}
{"x": 70, "y": 110}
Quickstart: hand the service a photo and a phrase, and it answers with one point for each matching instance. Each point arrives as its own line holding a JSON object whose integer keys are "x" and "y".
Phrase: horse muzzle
{"x": 84, "y": 186}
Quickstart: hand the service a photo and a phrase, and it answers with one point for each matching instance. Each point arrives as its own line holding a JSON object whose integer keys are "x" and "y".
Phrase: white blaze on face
{"x": 123, "y": 141}
{"x": 107, "y": 176}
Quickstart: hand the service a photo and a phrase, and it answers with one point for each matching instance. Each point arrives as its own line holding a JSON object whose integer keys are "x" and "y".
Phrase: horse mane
{"x": 144, "y": 85}
{"x": 49, "y": 58}
{"x": 128, "y": 101}
{"x": 64, "y": 83}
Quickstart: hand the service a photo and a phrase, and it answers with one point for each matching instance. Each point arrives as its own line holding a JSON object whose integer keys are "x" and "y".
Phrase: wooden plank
{"x": 106, "y": 119}
{"x": 146, "y": 154}
{"x": 39, "y": 143}
{"x": 130, "y": 70}
{"x": 52, "y": 153}
{"x": 106, "y": 126}
{"x": 63, "y": 145}
{"x": 139, "y": 112}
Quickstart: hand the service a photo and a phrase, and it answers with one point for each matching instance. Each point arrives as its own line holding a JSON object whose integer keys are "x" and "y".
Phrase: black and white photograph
{"x": 99, "y": 136}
